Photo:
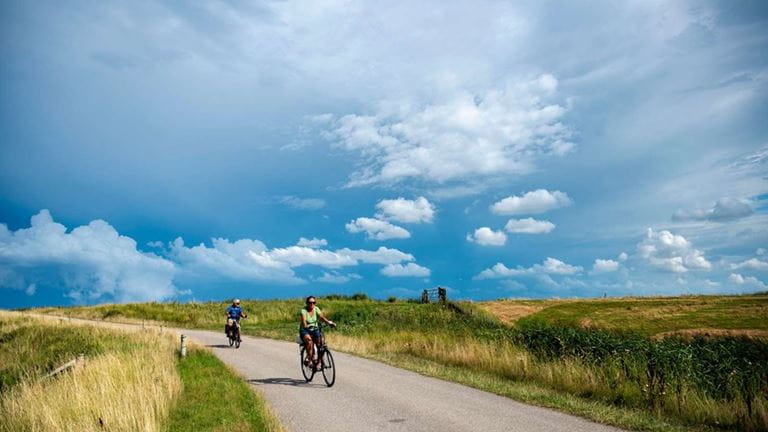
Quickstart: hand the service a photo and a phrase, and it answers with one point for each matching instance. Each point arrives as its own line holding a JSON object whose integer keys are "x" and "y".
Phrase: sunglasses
{"x": 311, "y": 302}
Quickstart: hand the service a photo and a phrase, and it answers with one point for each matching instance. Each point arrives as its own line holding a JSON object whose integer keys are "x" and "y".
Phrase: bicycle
{"x": 233, "y": 334}
{"x": 322, "y": 360}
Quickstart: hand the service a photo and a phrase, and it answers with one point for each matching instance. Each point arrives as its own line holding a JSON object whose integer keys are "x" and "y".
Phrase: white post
{"x": 183, "y": 345}
{"x": 80, "y": 362}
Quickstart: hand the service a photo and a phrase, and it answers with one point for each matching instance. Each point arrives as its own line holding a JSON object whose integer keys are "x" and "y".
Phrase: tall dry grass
{"x": 124, "y": 390}
{"x": 508, "y": 361}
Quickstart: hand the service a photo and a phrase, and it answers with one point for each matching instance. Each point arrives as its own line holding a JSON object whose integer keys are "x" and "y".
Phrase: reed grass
{"x": 129, "y": 388}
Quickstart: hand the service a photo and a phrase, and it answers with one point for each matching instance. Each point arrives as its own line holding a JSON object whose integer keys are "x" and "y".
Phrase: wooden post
{"x": 441, "y": 294}
{"x": 425, "y": 297}
{"x": 80, "y": 362}
{"x": 183, "y": 345}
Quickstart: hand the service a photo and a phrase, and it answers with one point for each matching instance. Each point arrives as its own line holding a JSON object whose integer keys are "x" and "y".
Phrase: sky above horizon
{"x": 158, "y": 151}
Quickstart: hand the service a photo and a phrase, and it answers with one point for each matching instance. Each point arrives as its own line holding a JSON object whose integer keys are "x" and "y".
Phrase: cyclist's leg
{"x": 307, "y": 337}
{"x": 317, "y": 338}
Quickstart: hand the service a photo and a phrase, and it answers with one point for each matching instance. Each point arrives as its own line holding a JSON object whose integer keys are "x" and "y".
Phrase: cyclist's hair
{"x": 309, "y": 297}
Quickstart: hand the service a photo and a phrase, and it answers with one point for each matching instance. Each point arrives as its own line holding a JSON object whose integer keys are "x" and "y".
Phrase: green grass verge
{"x": 214, "y": 398}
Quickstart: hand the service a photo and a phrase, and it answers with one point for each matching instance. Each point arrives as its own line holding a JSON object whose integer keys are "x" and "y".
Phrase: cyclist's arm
{"x": 326, "y": 320}
{"x": 304, "y": 321}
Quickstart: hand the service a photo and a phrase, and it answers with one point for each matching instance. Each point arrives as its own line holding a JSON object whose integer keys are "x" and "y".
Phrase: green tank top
{"x": 310, "y": 318}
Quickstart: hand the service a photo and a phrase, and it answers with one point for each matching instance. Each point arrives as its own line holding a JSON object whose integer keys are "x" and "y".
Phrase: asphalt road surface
{"x": 371, "y": 396}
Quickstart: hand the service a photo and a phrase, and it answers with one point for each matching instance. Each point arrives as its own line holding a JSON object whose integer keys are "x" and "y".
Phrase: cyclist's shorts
{"x": 315, "y": 333}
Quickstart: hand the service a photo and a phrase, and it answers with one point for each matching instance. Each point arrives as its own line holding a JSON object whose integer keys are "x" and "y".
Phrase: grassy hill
{"x": 603, "y": 359}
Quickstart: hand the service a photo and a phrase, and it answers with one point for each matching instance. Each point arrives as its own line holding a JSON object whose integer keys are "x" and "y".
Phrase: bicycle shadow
{"x": 218, "y": 346}
{"x": 283, "y": 381}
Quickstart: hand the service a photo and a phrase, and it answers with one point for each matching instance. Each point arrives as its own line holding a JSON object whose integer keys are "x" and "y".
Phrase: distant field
{"x": 647, "y": 316}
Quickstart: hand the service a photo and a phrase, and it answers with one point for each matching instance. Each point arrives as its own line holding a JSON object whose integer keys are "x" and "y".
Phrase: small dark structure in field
{"x": 435, "y": 294}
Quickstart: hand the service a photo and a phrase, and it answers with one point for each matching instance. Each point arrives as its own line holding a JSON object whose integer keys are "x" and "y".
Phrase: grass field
{"x": 131, "y": 381}
{"x": 598, "y": 358}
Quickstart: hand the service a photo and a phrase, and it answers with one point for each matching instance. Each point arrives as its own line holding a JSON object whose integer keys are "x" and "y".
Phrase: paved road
{"x": 371, "y": 396}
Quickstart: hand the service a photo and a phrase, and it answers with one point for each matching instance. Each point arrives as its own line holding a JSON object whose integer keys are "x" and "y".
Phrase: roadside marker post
{"x": 183, "y": 345}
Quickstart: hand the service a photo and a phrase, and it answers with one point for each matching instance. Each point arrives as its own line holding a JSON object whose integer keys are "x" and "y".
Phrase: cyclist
{"x": 234, "y": 313}
{"x": 309, "y": 330}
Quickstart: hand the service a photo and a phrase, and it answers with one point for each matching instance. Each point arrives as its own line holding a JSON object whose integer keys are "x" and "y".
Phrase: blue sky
{"x": 157, "y": 151}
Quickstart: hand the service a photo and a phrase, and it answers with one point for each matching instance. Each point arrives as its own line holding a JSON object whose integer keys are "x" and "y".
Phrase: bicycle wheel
{"x": 231, "y": 340}
{"x": 237, "y": 342}
{"x": 307, "y": 370}
{"x": 329, "y": 367}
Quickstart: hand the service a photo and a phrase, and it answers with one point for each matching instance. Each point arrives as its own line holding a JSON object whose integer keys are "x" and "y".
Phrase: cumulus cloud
{"x": 407, "y": 270}
{"x": 670, "y": 252}
{"x": 312, "y": 243}
{"x": 296, "y": 256}
{"x": 748, "y": 281}
{"x": 549, "y": 266}
{"x": 760, "y": 251}
{"x": 529, "y": 226}
{"x": 725, "y": 209}
{"x": 751, "y": 264}
{"x": 377, "y": 229}
{"x": 382, "y": 255}
{"x": 302, "y": 203}
{"x": 242, "y": 260}
{"x": 604, "y": 266}
{"x": 501, "y": 131}
{"x": 406, "y": 211}
{"x": 336, "y": 278}
{"x": 487, "y": 237}
{"x": 533, "y": 202}
{"x": 94, "y": 262}
{"x": 623, "y": 256}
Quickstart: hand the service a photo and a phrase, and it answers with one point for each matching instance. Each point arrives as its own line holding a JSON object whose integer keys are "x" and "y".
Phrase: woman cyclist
{"x": 309, "y": 331}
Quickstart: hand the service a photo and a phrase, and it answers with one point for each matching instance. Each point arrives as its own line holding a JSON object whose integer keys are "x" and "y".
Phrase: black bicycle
{"x": 233, "y": 334}
{"x": 322, "y": 361}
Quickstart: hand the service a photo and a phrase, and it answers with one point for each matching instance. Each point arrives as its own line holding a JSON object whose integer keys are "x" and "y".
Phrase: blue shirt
{"x": 234, "y": 312}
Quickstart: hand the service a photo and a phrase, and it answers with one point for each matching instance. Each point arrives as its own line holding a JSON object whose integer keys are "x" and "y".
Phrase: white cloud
{"x": 296, "y": 256}
{"x": 94, "y": 262}
{"x": 302, "y": 203}
{"x": 250, "y": 260}
{"x": 751, "y": 264}
{"x": 533, "y": 202}
{"x": 623, "y": 256}
{"x": 336, "y": 278}
{"x": 670, "y": 252}
{"x": 501, "y": 131}
{"x": 749, "y": 281}
{"x": 242, "y": 260}
{"x": 312, "y": 243}
{"x": 487, "y": 237}
{"x": 406, "y": 211}
{"x": 529, "y": 226}
{"x": 604, "y": 266}
{"x": 549, "y": 266}
{"x": 555, "y": 266}
{"x": 725, "y": 209}
{"x": 377, "y": 229}
{"x": 382, "y": 255}
{"x": 760, "y": 251}
{"x": 407, "y": 270}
